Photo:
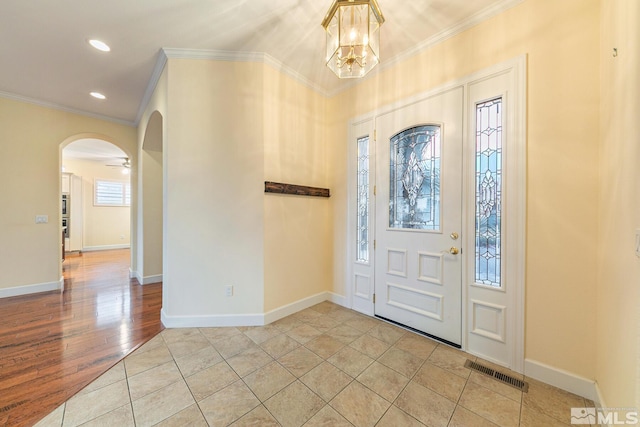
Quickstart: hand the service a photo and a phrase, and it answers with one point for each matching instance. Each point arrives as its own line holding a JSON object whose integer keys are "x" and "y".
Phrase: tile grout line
{"x": 296, "y": 377}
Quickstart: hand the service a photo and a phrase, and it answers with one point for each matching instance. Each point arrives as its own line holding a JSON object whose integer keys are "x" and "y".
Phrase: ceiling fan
{"x": 125, "y": 164}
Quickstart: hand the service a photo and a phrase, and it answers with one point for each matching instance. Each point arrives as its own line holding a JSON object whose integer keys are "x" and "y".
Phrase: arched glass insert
{"x": 362, "y": 230}
{"x": 414, "y": 170}
{"x": 488, "y": 192}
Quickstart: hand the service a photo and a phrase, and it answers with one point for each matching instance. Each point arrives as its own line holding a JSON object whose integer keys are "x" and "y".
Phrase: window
{"x": 414, "y": 199}
{"x": 488, "y": 192}
{"x": 111, "y": 193}
{"x": 362, "y": 234}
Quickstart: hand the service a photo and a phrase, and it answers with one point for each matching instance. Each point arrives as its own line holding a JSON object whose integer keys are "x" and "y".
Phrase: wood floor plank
{"x": 53, "y": 344}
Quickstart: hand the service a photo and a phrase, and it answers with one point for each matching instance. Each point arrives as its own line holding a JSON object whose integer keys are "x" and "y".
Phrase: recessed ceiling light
{"x": 100, "y": 45}
{"x": 98, "y": 95}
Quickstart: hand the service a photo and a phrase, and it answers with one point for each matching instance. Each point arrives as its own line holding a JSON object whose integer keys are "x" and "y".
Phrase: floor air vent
{"x": 504, "y": 378}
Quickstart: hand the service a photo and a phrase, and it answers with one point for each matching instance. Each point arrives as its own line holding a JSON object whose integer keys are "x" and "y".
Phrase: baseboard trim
{"x": 599, "y": 400}
{"x": 32, "y": 289}
{"x": 562, "y": 379}
{"x": 211, "y": 321}
{"x": 258, "y": 319}
{"x": 147, "y": 280}
{"x": 294, "y": 307}
{"x": 341, "y": 300}
{"x": 104, "y": 248}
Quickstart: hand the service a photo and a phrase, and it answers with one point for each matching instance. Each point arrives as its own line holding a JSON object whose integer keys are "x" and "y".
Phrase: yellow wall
{"x": 149, "y": 243}
{"x": 618, "y": 292}
{"x": 30, "y": 138}
{"x": 103, "y": 226}
{"x": 214, "y": 195}
{"x": 297, "y": 236}
{"x": 560, "y": 39}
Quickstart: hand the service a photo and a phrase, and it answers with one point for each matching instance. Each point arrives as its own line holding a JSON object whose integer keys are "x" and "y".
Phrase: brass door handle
{"x": 454, "y": 250}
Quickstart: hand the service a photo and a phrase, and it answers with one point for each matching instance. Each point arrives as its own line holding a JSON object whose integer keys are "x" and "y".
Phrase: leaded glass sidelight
{"x": 362, "y": 233}
{"x": 488, "y": 191}
{"x": 414, "y": 171}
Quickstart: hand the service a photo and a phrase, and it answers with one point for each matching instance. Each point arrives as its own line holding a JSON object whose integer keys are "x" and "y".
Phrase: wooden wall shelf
{"x": 298, "y": 190}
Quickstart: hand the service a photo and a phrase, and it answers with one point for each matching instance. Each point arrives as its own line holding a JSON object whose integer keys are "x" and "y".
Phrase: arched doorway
{"x": 96, "y": 195}
{"x": 150, "y": 207}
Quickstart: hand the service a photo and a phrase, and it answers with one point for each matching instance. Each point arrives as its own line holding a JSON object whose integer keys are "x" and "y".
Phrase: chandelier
{"x": 353, "y": 37}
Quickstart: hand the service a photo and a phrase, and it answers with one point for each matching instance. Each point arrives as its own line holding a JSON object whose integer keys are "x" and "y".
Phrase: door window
{"x": 414, "y": 190}
{"x": 488, "y": 192}
{"x": 362, "y": 232}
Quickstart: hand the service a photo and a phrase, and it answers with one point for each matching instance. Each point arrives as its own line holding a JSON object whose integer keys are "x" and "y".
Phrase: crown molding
{"x": 470, "y": 22}
{"x": 161, "y": 61}
{"x": 59, "y": 107}
{"x": 167, "y": 53}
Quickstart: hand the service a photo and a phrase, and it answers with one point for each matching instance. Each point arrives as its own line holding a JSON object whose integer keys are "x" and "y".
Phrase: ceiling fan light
{"x": 353, "y": 37}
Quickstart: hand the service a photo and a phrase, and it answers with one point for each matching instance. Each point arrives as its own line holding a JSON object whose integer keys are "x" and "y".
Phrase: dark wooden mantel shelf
{"x": 298, "y": 190}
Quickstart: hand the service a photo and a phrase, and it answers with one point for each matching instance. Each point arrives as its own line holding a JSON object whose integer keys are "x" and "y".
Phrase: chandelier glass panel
{"x": 353, "y": 37}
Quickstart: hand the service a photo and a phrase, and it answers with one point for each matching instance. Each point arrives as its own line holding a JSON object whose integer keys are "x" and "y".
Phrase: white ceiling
{"x": 94, "y": 150}
{"x": 45, "y": 56}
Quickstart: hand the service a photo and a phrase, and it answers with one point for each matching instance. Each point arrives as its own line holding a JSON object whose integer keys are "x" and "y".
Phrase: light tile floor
{"x": 323, "y": 366}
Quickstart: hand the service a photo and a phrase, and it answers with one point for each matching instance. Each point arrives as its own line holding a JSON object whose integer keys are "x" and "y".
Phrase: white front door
{"x": 418, "y": 215}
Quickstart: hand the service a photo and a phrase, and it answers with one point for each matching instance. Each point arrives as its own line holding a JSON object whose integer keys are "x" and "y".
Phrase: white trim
{"x": 32, "y": 289}
{"x": 519, "y": 177}
{"x": 256, "y": 319}
{"x": 211, "y": 321}
{"x": 562, "y": 379}
{"x": 517, "y": 172}
{"x": 294, "y": 307}
{"x": 471, "y": 21}
{"x": 137, "y": 276}
{"x": 259, "y": 57}
{"x": 216, "y": 55}
{"x": 104, "y": 248}
{"x": 147, "y": 280}
{"x": 59, "y": 107}
{"x": 151, "y": 85}
{"x": 341, "y": 300}
{"x": 599, "y": 399}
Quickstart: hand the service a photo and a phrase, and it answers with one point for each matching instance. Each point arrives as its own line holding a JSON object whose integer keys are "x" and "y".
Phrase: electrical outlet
{"x": 228, "y": 290}
{"x": 42, "y": 219}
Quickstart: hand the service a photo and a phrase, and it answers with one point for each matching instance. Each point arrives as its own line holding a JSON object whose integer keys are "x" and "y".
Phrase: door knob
{"x": 454, "y": 250}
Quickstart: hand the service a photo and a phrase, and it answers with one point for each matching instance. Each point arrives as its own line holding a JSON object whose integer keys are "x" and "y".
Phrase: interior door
{"x": 418, "y": 215}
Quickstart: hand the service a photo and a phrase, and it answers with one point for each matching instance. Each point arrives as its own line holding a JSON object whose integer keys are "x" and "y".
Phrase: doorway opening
{"x": 95, "y": 196}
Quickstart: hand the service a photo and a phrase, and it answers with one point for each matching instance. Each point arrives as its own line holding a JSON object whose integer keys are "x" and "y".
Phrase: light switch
{"x": 42, "y": 219}
{"x": 638, "y": 242}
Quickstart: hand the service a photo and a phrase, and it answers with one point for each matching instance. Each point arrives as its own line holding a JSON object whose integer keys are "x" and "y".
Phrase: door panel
{"x": 418, "y": 215}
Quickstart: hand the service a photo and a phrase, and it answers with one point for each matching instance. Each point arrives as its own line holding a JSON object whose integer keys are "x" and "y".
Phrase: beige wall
{"x": 618, "y": 292}
{"x": 559, "y": 39}
{"x": 30, "y": 138}
{"x": 228, "y": 128}
{"x": 297, "y": 230}
{"x": 103, "y": 226}
{"x": 151, "y": 200}
{"x": 149, "y": 263}
{"x": 214, "y": 191}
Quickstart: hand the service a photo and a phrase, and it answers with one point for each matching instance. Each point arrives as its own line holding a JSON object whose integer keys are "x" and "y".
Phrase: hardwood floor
{"x": 53, "y": 344}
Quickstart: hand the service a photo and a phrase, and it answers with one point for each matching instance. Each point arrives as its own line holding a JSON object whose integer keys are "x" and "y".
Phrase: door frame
{"x": 360, "y": 297}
